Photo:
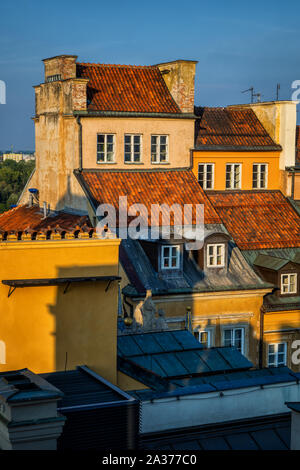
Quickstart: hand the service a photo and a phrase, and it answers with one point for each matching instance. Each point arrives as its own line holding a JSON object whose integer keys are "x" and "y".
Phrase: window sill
{"x": 160, "y": 163}
{"x": 106, "y": 163}
{"x": 133, "y": 163}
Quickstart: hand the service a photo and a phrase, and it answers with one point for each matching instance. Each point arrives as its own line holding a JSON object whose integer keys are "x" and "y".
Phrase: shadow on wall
{"x": 86, "y": 321}
{"x": 71, "y": 200}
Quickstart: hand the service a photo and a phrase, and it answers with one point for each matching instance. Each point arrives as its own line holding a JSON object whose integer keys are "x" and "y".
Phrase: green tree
{"x": 13, "y": 177}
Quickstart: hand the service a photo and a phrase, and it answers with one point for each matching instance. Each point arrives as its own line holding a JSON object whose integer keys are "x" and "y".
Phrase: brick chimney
{"x": 60, "y": 67}
{"x": 179, "y": 76}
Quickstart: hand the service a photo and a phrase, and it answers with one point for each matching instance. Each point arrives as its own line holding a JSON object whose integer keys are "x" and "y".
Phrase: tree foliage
{"x": 13, "y": 177}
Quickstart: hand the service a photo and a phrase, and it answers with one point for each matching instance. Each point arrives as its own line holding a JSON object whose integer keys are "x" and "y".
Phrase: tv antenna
{"x": 252, "y": 92}
{"x": 257, "y": 95}
{"x": 277, "y": 91}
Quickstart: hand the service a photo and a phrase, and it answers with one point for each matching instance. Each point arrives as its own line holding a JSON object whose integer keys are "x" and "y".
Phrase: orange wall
{"x": 220, "y": 159}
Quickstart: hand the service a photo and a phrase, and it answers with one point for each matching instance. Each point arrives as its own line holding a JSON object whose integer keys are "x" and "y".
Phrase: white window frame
{"x": 288, "y": 275}
{"x": 233, "y": 331}
{"x": 158, "y": 160}
{"x": 232, "y": 174}
{"x": 197, "y": 334}
{"x": 214, "y": 255}
{"x": 276, "y": 353}
{"x": 105, "y": 148}
{"x": 259, "y": 186}
{"x": 205, "y": 165}
{"x": 131, "y": 161}
{"x": 170, "y": 257}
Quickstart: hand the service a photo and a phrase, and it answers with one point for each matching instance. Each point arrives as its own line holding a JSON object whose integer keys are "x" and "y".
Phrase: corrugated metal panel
{"x": 101, "y": 429}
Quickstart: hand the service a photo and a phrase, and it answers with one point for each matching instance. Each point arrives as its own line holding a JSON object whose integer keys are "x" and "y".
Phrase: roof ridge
{"x": 97, "y": 64}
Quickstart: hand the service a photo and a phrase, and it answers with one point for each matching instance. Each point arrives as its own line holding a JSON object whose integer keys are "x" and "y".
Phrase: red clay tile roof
{"x": 23, "y": 217}
{"x": 126, "y": 88}
{"x": 231, "y": 127}
{"x": 258, "y": 219}
{"x": 176, "y": 186}
{"x": 297, "y": 145}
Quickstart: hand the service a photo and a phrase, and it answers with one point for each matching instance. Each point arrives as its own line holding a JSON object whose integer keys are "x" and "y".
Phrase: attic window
{"x": 216, "y": 255}
{"x": 170, "y": 257}
{"x": 288, "y": 283}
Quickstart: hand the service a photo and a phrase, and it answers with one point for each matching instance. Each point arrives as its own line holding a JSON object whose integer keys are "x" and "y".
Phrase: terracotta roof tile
{"x": 258, "y": 219}
{"x": 231, "y": 127}
{"x": 23, "y": 217}
{"x": 126, "y": 88}
{"x": 176, "y": 186}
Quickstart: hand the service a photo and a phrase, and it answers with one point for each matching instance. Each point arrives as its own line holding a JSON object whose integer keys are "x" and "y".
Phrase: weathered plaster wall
{"x": 179, "y": 76}
{"x": 180, "y": 132}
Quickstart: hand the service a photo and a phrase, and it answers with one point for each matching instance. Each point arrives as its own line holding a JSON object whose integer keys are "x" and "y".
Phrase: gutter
{"x": 134, "y": 114}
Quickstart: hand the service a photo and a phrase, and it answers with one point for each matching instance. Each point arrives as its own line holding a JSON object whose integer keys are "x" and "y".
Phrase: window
{"x": 216, "y": 255}
{"x": 105, "y": 148}
{"x": 132, "y": 148}
{"x": 288, "y": 283}
{"x": 159, "y": 148}
{"x": 234, "y": 337}
{"x": 204, "y": 337}
{"x": 233, "y": 176}
{"x": 206, "y": 175}
{"x": 170, "y": 257}
{"x": 260, "y": 176}
{"x": 277, "y": 354}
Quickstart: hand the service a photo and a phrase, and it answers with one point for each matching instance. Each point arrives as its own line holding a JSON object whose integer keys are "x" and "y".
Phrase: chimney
{"x": 179, "y": 76}
{"x": 295, "y": 424}
{"x": 60, "y": 67}
{"x": 29, "y": 419}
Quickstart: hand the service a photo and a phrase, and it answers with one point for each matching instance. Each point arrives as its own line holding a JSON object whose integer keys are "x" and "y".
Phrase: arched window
{"x": 2, "y": 353}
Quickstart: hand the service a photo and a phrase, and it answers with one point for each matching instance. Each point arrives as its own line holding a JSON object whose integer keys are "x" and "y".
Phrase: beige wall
{"x": 180, "y": 132}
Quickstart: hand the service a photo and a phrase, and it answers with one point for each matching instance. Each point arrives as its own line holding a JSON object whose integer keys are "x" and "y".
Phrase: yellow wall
{"x": 217, "y": 310}
{"x": 220, "y": 159}
{"x": 282, "y": 327}
{"x": 39, "y": 325}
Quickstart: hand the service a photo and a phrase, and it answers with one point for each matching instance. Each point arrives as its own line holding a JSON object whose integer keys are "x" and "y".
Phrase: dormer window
{"x": 288, "y": 283}
{"x": 216, "y": 255}
{"x": 170, "y": 257}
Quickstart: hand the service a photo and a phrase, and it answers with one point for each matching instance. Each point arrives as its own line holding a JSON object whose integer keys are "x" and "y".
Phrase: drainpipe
{"x": 261, "y": 338}
{"x": 79, "y": 141}
{"x": 293, "y": 184}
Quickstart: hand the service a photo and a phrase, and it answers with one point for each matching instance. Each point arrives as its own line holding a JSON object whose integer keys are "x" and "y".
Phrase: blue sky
{"x": 238, "y": 44}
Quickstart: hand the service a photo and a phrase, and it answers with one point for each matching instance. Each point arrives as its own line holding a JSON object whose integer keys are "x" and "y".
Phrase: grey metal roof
{"x": 270, "y": 262}
{"x": 23, "y": 385}
{"x": 290, "y": 254}
{"x": 294, "y": 406}
{"x": 142, "y": 275}
{"x": 83, "y": 387}
{"x": 231, "y": 380}
{"x": 263, "y": 433}
{"x": 175, "y": 354}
